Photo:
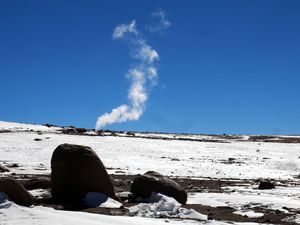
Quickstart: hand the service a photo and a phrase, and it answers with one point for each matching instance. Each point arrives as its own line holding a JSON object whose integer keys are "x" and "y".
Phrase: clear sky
{"x": 225, "y": 66}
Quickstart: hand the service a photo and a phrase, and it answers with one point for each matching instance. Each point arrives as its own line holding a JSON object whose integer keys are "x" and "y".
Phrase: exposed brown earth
{"x": 123, "y": 182}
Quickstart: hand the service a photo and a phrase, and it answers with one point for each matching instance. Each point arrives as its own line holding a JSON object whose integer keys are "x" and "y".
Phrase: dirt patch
{"x": 123, "y": 182}
{"x": 227, "y": 213}
{"x": 274, "y": 139}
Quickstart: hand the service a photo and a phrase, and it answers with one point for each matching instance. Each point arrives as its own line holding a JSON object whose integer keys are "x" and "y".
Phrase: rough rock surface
{"x": 3, "y": 169}
{"x": 77, "y": 170}
{"x": 15, "y": 191}
{"x": 265, "y": 185}
{"x": 144, "y": 185}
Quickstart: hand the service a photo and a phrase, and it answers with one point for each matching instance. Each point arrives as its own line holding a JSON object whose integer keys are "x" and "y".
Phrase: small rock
{"x": 3, "y": 169}
{"x": 264, "y": 185}
{"x": 48, "y": 125}
{"x": 130, "y": 133}
{"x": 14, "y": 165}
{"x": 210, "y": 216}
{"x": 175, "y": 159}
{"x": 37, "y": 139}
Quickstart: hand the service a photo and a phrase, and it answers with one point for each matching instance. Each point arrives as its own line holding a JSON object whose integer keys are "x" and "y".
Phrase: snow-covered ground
{"x": 275, "y": 199}
{"x": 11, "y": 126}
{"x": 236, "y": 159}
{"x": 12, "y": 214}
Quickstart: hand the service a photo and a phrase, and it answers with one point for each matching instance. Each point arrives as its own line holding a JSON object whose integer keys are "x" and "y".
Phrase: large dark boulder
{"x": 15, "y": 191}
{"x": 144, "y": 185}
{"x": 77, "y": 170}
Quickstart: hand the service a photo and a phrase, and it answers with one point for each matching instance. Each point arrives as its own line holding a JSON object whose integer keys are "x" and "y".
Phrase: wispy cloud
{"x": 122, "y": 29}
{"x": 160, "y": 22}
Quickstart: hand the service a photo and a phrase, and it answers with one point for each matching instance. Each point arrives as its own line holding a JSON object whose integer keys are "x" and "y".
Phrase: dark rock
{"x": 71, "y": 131}
{"x": 13, "y": 165}
{"x": 37, "y": 139}
{"x": 49, "y": 125}
{"x": 151, "y": 181}
{"x": 3, "y": 169}
{"x": 77, "y": 170}
{"x": 210, "y": 216}
{"x": 266, "y": 158}
{"x": 130, "y": 133}
{"x": 81, "y": 130}
{"x": 175, "y": 159}
{"x": 5, "y": 131}
{"x": 100, "y": 132}
{"x": 114, "y": 133}
{"x": 74, "y": 131}
{"x": 263, "y": 185}
{"x": 37, "y": 183}
{"x": 15, "y": 191}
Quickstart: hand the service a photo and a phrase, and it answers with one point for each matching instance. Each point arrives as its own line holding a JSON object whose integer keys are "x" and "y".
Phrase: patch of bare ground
{"x": 123, "y": 182}
{"x": 227, "y": 214}
{"x": 274, "y": 139}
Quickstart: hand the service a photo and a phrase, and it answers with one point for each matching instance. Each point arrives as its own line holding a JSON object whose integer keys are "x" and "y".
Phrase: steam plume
{"x": 141, "y": 75}
{"x": 160, "y": 22}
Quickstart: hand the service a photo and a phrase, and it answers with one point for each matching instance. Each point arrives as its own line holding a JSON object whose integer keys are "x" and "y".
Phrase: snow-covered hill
{"x": 30, "y": 148}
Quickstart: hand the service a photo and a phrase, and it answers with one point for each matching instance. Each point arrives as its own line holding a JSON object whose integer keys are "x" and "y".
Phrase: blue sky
{"x": 225, "y": 66}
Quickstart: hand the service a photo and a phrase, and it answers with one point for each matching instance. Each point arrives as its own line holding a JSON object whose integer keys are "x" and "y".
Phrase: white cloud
{"x": 146, "y": 53}
{"x": 124, "y": 28}
{"x": 160, "y": 22}
{"x": 152, "y": 75}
